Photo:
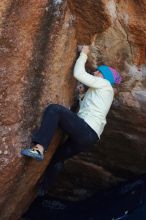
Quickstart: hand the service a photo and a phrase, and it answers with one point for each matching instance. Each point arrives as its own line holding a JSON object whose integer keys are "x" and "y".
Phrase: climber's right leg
{"x": 58, "y": 116}
{"x": 54, "y": 116}
{"x": 42, "y": 138}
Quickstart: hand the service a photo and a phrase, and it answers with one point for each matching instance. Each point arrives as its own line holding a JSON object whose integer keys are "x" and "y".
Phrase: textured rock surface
{"x": 34, "y": 73}
{"x": 122, "y": 149}
{"x": 38, "y": 48}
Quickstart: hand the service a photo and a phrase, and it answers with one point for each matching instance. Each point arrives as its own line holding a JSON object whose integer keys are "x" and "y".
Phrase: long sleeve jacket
{"x": 98, "y": 98}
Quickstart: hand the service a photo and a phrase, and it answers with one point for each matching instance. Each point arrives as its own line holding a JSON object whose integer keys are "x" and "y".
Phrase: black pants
{"x": 80, "y": 136}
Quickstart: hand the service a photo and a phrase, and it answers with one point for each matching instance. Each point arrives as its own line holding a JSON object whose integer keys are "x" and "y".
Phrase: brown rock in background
{"x": 121, "y": 151}
{"x": 38, "y": 49}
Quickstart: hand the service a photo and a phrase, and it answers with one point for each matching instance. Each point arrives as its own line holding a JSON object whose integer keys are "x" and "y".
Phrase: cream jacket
{"x": 98, "y": 98}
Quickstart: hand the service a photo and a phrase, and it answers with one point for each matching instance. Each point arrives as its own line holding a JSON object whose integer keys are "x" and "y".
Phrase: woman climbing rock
{"x": 83, "y": 128}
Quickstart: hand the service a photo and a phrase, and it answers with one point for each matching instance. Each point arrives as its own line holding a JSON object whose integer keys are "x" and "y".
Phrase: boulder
{"x": 38, "y": 50}
{"x": 121, "y": 151}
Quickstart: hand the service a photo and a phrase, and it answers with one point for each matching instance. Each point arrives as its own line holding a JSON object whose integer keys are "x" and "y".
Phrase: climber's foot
{"x": 34, "y": 153}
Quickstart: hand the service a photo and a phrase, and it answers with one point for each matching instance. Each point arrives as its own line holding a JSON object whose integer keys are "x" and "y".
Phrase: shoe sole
{"x": 29, "y": 154}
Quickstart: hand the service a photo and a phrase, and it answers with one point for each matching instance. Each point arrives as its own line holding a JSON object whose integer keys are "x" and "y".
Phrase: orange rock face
{"x": 37, "y": 38}
{"x": 38, "y": 41}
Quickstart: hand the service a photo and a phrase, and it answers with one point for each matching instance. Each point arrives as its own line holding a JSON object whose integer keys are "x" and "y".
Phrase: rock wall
{"x": 37, "y": 37}
{"x": 124, "y": 142}
{"x": 121, "y": 152}
{"x": 38, "y": 49}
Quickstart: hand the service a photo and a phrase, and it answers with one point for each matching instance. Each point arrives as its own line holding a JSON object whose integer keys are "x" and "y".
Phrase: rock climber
{"x": 83, "y": 128}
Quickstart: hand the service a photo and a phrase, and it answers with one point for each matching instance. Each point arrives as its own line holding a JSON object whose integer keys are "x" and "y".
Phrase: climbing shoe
{"x": 33, "y": 153}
